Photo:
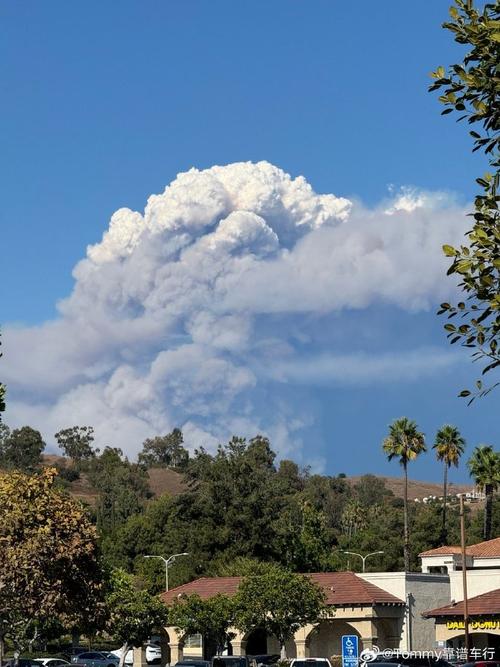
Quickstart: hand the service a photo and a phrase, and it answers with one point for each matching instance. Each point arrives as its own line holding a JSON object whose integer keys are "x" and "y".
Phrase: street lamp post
{"x": 168, "y": 562}
{"x": 363, "y": 558}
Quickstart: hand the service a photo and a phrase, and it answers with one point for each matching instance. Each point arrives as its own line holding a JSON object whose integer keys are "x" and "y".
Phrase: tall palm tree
{"x": 484, "y": 467}
{"x": 449, "y": 446}
{"x": 405, "y": 443}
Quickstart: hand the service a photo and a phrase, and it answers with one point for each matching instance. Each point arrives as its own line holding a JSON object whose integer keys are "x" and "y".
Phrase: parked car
{"x": 266, "y": 659}
{"x": 310, "y": 662}
{"x": 187, "y": 662}
{"x": 153, "y": 654}
{"x": 231, "y": 661}
{"x": 23, "y": 662}
{"x": 52, "y": 662}
{"x": 95, "y": 659}
{"x": 424, "y": 661}
{"x": 129, "y": 658}
{"x": 67, "y": 652}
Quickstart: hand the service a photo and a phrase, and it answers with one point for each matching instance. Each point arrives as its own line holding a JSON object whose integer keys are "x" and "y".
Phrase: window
{"x": 192, "y": 641}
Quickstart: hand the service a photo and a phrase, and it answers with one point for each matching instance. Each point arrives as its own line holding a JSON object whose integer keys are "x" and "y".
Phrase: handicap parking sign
{"x": 349, "y": 651}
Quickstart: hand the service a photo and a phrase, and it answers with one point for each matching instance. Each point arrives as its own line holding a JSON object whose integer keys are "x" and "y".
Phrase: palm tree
{"x": 404, "y": 442}
{"x": 484, "y": 467}
{"x": 449, "y": 446}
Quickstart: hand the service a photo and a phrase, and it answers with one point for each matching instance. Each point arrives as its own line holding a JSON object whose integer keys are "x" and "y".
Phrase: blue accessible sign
{"x": 349, "y": 651}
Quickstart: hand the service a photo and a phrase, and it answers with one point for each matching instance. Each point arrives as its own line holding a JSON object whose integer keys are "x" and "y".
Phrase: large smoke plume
{"x": 213, "y": 310}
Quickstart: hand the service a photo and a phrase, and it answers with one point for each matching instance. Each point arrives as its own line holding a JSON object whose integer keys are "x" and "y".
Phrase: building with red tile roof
{"x": 484, "y": 555}
{"x": 484, "y": 622}
{"x": 341, "y": 588}
{"x": 385, "y": 614}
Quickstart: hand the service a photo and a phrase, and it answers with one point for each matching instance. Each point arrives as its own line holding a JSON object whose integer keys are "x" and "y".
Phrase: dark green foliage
{"x": 476, "y": 531}
{"x": 371, "y": 490}
{"x": 68, "y": 474}
{"x": 278, "y": 601}
{"x": 164, "y": 451}
{"x": 133, "y": 615}
{"x": 211, "y": 618}
{"x": 290, "y": 476}
{"x": 303, "y": 539}
{"x": 472, "y": 89}
{"x": 240, "y": 512}
{"x": 20, "y": 449}
{"x": 76, "y": 443}
{"x": 484, "y": 466}
{"x": 427, "y": 527}
{"x": 329, "y": 496}
{"x": 122, "y": 487}
{"x": 234, "y": 496}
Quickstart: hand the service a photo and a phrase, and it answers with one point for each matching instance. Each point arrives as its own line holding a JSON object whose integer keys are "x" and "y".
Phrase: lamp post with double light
{"x": 168, "y": 562}
{"x": 363, "y": 558}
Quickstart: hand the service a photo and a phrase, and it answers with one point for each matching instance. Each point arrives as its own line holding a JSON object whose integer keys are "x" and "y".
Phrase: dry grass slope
{"x": 418, "y": 489}
{"x": 164, "y": 480}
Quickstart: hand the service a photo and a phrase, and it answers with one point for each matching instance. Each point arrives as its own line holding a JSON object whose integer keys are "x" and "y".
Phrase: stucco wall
{"x": 421, "y": 592}
{"x": 478, "y": 582}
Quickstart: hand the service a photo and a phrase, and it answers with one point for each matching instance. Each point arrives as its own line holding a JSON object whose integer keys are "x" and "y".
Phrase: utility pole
{"x": 464, "y": 575}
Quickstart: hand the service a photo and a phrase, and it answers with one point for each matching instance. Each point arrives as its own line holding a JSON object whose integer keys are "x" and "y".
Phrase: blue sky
{"x": 106, "y": 103}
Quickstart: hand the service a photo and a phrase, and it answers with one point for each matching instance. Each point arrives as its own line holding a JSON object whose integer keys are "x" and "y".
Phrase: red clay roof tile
{"x": 488, "y": 549}
{"x": 480, "y": 605}
{"x": 341, "y": 589}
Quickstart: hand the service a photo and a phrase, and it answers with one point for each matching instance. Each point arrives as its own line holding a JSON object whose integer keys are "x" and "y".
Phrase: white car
{"x": 153, "y": 654}
{"x": 52, "y": 662}
{"x": 310, "y": 662}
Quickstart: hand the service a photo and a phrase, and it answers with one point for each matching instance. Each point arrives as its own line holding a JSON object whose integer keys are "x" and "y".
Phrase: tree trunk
{"x": 2, "y": 649}
{"x": 123, "y": 654}
{"x": 282, "y": 650}
{"x": 406, "y": 544}
{"x": 444, "y": 532}
{"x": 488, "y": 511}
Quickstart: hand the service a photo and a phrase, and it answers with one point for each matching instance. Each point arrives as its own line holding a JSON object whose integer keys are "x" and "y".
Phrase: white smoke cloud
{"x": 195, "y": 313}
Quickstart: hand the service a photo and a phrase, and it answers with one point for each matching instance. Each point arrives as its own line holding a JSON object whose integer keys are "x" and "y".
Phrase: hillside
{"x": 161, "y": 480}
{"x": 164, "y": 480}
{"x": 418, "y": 489}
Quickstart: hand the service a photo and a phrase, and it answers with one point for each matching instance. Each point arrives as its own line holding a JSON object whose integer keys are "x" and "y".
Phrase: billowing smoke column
{"x": 204, "y": 312}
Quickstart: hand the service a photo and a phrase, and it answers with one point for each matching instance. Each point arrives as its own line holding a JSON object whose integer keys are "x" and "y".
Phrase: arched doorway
{"x": 478, "y": 640}
{"x": 257, "y": 642}
{"x": 326, "y": 638}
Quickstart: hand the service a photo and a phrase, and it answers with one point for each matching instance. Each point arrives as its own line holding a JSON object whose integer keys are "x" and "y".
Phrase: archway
{"x": 164, "y": 641}
{"x": 479, "y": 640}
{"x": 326, "y": 638}
{"x": 257, "y": 642}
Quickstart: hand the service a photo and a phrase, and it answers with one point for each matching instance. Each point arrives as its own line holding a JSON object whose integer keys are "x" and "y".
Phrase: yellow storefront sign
{"x": 486, "y": 624}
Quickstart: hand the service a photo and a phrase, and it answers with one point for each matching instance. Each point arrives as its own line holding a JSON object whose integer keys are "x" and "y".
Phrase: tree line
{"x": 240, "y": 506}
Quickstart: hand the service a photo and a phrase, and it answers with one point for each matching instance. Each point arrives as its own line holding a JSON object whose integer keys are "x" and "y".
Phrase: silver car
{"x": 95, "y": 659}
